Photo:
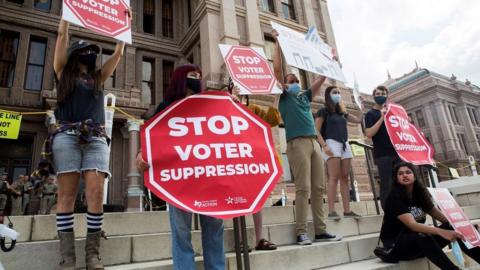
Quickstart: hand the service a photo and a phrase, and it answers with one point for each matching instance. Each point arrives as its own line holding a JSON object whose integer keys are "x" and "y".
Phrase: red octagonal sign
{"x": 107, "y": 17}
{"x": 210, "y": 155}
{"x": 250, "y": 69}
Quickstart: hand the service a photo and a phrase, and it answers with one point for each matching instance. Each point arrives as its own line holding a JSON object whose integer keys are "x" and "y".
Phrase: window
{"x": 149, "y": 16}
{"x": 148, "y": 78}
{"x": 167, "y": 75}
{"x": 16, "y": 1}
{"x": 110, "y": 82}
{"x": 8, "y": 56}
{"x": 288, "y": 9}
{"x": 267, "y": 5}
{"x": 167, "y": 18}
{"x": 453, "y": 114}
{"x": 36, "y": 64}
{"x": 463, "y": 145}
{"x": 473, "y": 116}
{"x": 420, "y": 119}
{"x": 43, "y": 5}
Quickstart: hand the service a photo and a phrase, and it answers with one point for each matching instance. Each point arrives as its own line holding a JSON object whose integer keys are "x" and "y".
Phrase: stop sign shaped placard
{"x": 409, "y": 143}
{"x": 210, "y": 155}
{"x": 249, "y": 69}
{"x": 107, "y": 17}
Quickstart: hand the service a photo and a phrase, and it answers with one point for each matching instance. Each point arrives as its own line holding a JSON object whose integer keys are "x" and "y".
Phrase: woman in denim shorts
{"x": 79, "y": 143}
{"x": 331, "y": 122}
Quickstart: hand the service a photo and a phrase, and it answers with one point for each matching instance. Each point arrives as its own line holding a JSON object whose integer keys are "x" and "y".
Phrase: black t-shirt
{"x": 382, "y": 146}
{"x": 82, "y": 104}
{"x": 334, "y": 125}
{"x": 395, "y": 206}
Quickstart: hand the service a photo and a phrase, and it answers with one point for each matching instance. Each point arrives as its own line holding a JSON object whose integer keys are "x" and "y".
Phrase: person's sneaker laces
{"x": 333, "y": 216}
{"x": 302, "y": 239}
{"x": 327, "y": 237}
{"x": 351, "y": 214}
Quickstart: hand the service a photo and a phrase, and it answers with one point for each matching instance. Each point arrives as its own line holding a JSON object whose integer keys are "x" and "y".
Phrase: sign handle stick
{"x": 246, "y": 257}
{"x": 236, "y": 234}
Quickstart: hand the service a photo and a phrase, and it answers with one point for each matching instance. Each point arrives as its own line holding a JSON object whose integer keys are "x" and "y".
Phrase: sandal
{"x": 264, "y": 244}
{"x": 249, "y": 249}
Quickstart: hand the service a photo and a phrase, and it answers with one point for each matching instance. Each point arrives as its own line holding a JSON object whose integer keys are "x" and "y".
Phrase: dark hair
{"x": 290, "y": 74}
{"x": 420, "y": 194}
{"x": 332, "y": 107}
{"x": 178, "y": 84}
{"x": 381, "y": 88}
{"x": 70, "y": 73}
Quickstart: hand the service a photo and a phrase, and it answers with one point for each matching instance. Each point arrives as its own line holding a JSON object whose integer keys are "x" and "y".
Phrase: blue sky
{"x": 374, "y": 36}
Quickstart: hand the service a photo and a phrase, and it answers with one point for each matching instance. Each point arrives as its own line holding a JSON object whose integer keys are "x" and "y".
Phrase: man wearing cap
{"x": 49, "y": 191}
{"x": 17, "y": 189}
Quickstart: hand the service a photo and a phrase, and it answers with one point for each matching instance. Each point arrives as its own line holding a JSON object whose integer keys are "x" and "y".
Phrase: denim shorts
{"x": 71, "y": 156}
{"x": 337, "y": 150}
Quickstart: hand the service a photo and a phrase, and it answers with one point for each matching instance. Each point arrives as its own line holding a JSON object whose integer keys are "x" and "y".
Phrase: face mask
{"x": 380, "y": 99}
{"x": 88, "y": 60}
{"x": 294, "y": 88}
{"x": 194, "y": 84}
{"x": 336, "y": 98}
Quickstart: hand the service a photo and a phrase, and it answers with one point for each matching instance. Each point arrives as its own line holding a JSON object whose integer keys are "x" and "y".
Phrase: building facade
{"x": 446, "y": 110}
{"x": 166, "y": 34}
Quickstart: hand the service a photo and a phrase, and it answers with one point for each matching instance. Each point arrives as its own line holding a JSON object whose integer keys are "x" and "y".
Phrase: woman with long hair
{"x": 80, "y": 146}
{"x": 331, "y": 122}
{"x": 403, "y": 227}
{"x": 186, "y": 81}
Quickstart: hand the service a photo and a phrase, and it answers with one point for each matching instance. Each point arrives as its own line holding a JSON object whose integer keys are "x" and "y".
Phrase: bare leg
{"x": 67, "y": 192}
{"x": 94, "y": 182}
{"x": 333, "y": 165}
{"x": 258, "y": 222}
{"x": 344, "y": 185}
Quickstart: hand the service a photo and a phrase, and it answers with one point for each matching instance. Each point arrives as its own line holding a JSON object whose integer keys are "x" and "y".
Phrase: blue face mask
{"x": 336, "y": 98}
{"x": 380, "y": 99}
{"x": 294, "y": 88}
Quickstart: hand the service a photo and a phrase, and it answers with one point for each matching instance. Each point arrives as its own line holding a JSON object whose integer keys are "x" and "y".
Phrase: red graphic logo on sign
{"x": 104, "y": 16}
{"x": 455, "y": 215}
{"x": 407, "y": 140}
{"x": 250, "y": 69}
{"x": 210, "y": 155}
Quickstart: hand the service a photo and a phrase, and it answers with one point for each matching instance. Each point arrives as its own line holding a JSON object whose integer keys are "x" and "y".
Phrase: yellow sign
{"x": 357, "y": 150}
{"x": 454, "y": 172}
{"x": 9, "y": 125}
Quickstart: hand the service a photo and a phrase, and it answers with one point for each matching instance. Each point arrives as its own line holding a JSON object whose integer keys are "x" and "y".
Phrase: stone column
{"x": 433, "y": 130}
{"x": 309, "y": 14}
{"x": 255, "y": 35}
{"x": 328, "y": 24}
{"x": 448, "y": 136}
{"x": 135, "y": 187}
{"x": 470, "y": 135}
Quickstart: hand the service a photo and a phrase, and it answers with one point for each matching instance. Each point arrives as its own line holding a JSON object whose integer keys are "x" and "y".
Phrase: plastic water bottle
{"x": 284, "y": 198}
{"x": 457, "y": 253}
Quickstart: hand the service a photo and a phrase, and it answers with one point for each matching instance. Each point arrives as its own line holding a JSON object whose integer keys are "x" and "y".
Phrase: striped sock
{"x": 94, "y": 222}
{"x": 65, "y": 222}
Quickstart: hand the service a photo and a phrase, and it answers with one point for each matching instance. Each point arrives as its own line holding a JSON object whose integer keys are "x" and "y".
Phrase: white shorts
{"x": 337, "y": 150}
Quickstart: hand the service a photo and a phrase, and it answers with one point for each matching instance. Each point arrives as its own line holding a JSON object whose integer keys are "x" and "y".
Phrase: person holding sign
{"x": 403, "y": 227}
{"x": 79, "y": 143}
{"x": 186, "y": 81}
{"x": 303, "y": 150}
{"x": 331, "y": 122}
{"x": 383, "y": 150}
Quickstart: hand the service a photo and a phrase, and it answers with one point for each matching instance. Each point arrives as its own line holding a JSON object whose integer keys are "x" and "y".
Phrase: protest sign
{"x": 10, "y": 125}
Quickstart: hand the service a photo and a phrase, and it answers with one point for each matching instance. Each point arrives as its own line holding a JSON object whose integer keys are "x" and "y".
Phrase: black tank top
{"x": 82, "y": 104}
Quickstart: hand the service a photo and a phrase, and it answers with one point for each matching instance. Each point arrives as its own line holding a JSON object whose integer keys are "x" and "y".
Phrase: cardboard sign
{"x": 303, "y": 54}
{"x": 10, "y": 123}
{"x": 249, "y": 69}
{"x": 210, "y": 155}
{"x": 106, "y": 17}
{"x": 408, "y": 141}
{"x": 455, "y": 216}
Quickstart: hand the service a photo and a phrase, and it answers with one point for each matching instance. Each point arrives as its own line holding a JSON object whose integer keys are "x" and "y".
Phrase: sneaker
{"x": 302, "y": 239}
{"x": 333, "y": 216}
{"x": 324, "y": 237}
{"x": 351, "y": 214}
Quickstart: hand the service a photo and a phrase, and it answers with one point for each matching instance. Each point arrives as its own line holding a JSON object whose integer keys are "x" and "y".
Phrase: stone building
{"x": 166, "y": 33}
{"x": 446, "y": 110}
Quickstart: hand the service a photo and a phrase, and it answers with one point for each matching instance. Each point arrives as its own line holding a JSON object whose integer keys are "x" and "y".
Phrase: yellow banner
{"x": 10, "y": 125}
{"x": 454, "y": 172}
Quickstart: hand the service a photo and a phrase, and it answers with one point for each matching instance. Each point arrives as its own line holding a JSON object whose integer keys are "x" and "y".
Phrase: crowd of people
{"x": 79, "y": 147}
{"x": 27, "y": 195}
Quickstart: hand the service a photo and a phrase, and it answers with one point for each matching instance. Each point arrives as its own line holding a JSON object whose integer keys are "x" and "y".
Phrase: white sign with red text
{"x": 106, "y": 17}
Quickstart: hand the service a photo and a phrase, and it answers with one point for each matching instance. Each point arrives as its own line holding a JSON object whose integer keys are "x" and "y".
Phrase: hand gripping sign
{"x": 249, "y": 69}
{"x": 407, "y": 140}
{"x": 210, "y": 155}
{"x": 107, "y": 17}
{"x": 455, "y": 216}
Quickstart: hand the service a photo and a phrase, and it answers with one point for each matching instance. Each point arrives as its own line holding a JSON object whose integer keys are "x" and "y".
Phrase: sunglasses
{"x": 87, "y": 52}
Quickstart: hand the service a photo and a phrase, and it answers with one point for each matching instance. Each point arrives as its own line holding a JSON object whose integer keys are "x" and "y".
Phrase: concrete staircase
{"x": 143, "y": 241}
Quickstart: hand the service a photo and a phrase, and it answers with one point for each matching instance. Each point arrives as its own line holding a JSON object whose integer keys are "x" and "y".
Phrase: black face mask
{"x": 194, "y": 84}
{"x": 88, "y": 60}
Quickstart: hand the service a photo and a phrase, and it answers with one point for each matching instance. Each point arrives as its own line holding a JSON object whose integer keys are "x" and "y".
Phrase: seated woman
{"x": 403, "y": 225}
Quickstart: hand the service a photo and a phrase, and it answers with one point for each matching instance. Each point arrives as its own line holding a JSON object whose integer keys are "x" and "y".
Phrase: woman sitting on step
{"x": 403, "y": 225}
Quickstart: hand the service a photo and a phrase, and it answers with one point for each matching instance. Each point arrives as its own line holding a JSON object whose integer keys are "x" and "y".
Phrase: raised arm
{"x": 277, "y": 59}
{"x": 60, "y": 58}
{"x": 370, "y": 132}
{"x": 316, "y": 85}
